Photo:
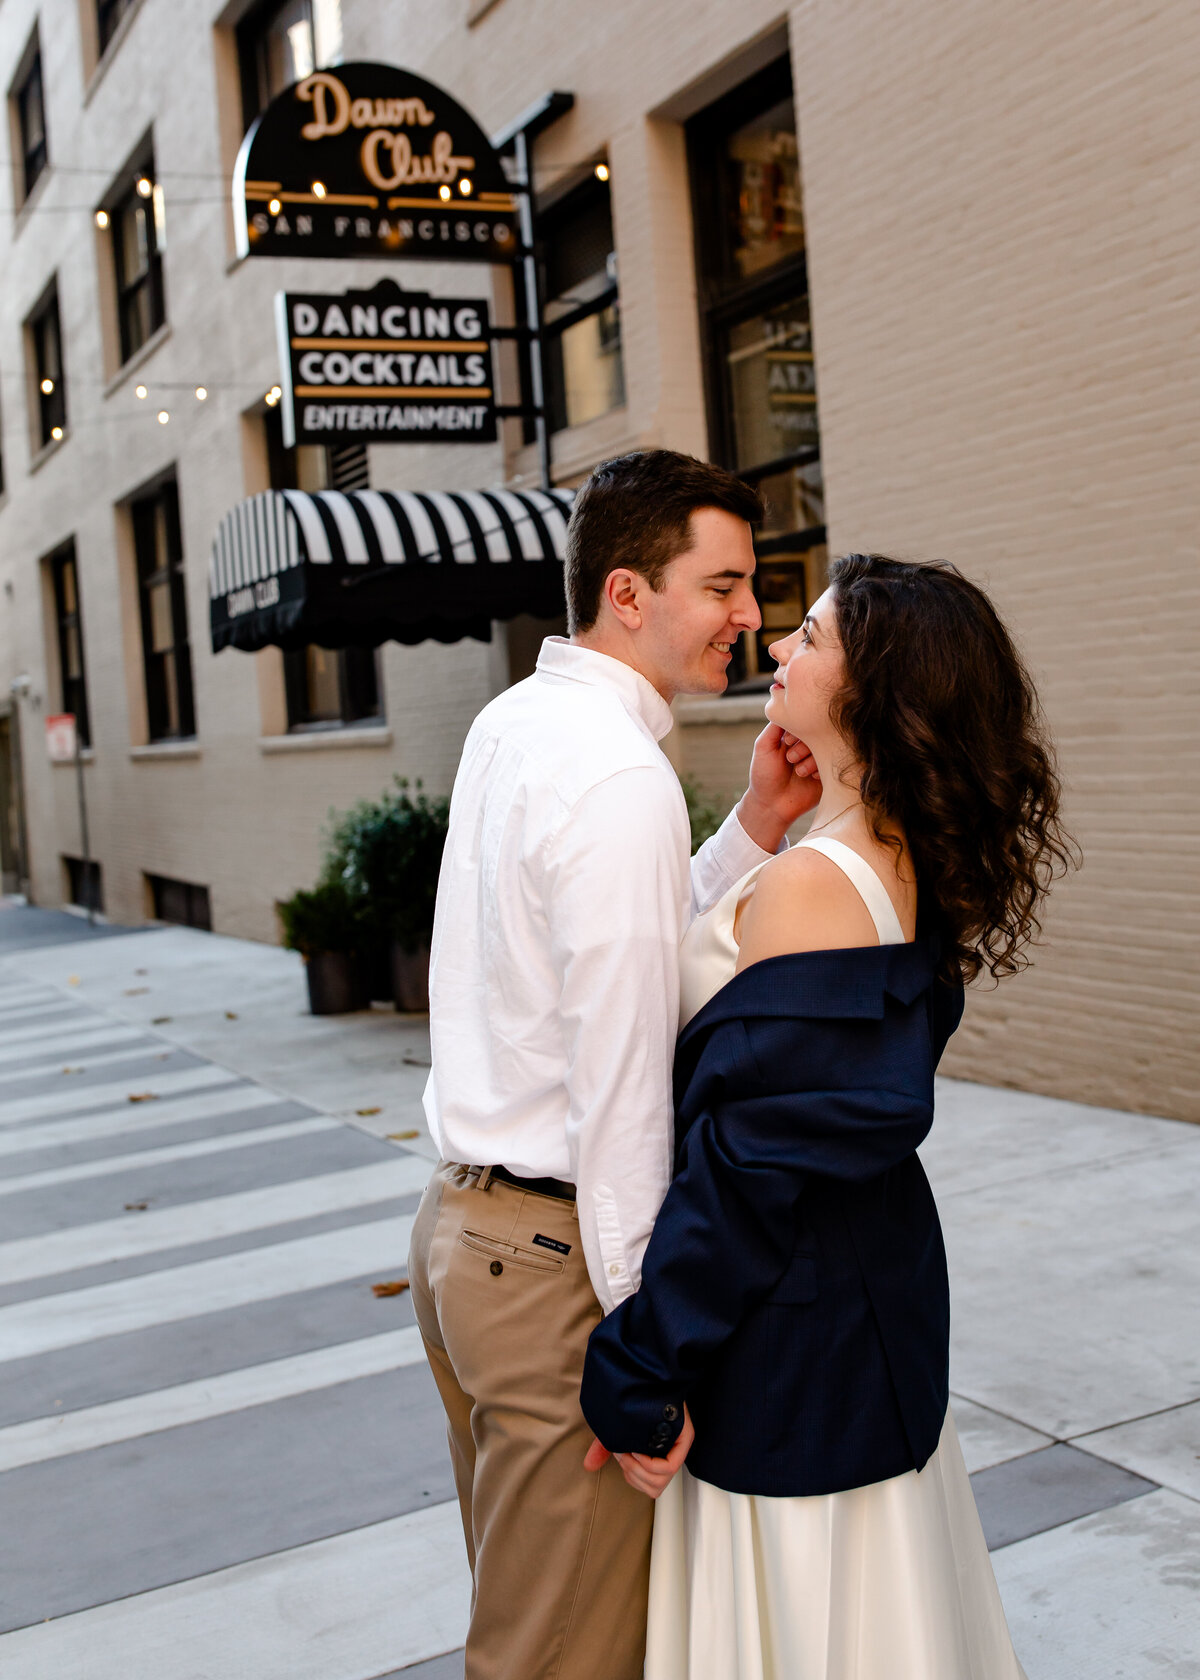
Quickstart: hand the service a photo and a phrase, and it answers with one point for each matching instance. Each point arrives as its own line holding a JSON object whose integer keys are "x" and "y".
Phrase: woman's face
{"x": 810, "y": 671}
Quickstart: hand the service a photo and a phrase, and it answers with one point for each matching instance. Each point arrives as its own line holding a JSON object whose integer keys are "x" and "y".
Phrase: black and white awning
{"x": 357, "y": 568}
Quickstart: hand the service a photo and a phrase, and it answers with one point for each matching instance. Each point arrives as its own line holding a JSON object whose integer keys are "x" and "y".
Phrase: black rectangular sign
{"x": 385, "y": 366}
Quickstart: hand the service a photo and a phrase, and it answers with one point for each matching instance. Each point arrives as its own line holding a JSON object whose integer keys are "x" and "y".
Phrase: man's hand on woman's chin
{"x": 784, "y": 786}
{"x": 648, "y": 1475}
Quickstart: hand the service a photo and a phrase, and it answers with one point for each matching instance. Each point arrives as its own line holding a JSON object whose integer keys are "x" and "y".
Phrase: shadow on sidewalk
{"x": 25, "y": 927}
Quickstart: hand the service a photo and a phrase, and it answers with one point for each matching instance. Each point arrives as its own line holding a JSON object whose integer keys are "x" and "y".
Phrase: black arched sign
{"x": 370, "y": 160}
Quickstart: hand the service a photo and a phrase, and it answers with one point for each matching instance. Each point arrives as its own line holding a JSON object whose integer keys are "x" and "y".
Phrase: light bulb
{"x": 102, "y": 219}
{"x": 47, "y": 387}
{"x": 464, "y": 187}
{"x": 163, "y": 416}
{"x": 201, "y": 393}
{"x": 443, "y": 193}
{"x": 275, "y": 207}
{"x": 139, "y": 391}
{"x": 56, "y": 433}
{"x": 318, "y": 189}
{"x": 145, "y": 186}
{"x": 602, "y": 172}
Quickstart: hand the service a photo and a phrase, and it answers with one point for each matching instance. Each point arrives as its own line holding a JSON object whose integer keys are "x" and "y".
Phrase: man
{"x": 564, "y": 893}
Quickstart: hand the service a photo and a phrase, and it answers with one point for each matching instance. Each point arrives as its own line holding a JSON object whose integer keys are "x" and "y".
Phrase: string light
{"x": 145, "y": 186}
{"x": 318, "y": 189}
{"x": 602, "y": 172}
{"x": 275, "y": 207}
{"x": 201, "y": 393}
{"x": 444, "y": 194}
{"x": 464, "y": 187}
{"x": 56, "y": 433}
{"x": 102, "y": 219}
{"x": 47, "y": 387}
{"x": 163, "y": 416}
{"x": 273, "y": 396}
{"x": 139, "y": 391}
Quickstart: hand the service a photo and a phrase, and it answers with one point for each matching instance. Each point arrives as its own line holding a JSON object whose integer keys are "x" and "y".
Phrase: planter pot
{"x": 376, "y": 965}
{"x": 336, "y": 985}
{"x": 410, "y": 979}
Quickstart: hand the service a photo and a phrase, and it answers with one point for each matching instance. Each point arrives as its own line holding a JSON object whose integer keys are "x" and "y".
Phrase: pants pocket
{"x": 511, "y": 1254}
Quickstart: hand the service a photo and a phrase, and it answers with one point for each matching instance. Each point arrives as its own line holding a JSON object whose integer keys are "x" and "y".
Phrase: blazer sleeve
{"x": 726, "y": 1232}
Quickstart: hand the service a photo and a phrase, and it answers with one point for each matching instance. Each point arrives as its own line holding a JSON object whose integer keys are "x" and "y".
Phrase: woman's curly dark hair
{"x": 944, "y": 718}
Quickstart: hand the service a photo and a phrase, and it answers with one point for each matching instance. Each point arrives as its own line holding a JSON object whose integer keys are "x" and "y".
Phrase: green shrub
{"x": 323, "y": 921}
{"x": 704, "y": 815}
{"x": 386, "y": 853}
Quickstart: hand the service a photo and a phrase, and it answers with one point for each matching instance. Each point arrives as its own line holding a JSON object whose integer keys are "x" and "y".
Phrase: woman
{"x": 794, "y": 1305}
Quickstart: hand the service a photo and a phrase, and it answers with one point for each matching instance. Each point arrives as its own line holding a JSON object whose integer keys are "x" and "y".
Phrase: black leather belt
{"x": 556, "y": 1187}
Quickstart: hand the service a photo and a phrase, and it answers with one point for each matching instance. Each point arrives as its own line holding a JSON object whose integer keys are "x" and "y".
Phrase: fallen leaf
{"x": 402, "y": 1137}
{"x": 231, "y": 1014}
{"x": 134, "y": 991}
{"x": 143, "y": 1096}
{"x": 382, "y": 1289}
{"x": 72, "y": 1070}
{"x": 136, "y": 1207}
{"x": 72, "y": 979}
{"x": 159, "y": 1020}
{"x": 415, "y": 1061}
{"x": 368, "y": 1111}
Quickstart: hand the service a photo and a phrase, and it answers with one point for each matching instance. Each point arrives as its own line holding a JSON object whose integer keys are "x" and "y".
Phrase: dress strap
{"x": 870, "y": 888}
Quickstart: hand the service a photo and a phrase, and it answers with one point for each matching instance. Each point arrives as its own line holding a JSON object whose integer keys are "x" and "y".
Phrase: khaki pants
{"x": 560, "y": 1558}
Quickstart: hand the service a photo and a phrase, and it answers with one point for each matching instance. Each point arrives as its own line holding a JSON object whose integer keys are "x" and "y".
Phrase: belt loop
{"x": 484, "y": 1179}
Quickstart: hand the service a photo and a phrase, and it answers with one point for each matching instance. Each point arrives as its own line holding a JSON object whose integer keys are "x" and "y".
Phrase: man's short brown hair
{"x": 635, "y": 512}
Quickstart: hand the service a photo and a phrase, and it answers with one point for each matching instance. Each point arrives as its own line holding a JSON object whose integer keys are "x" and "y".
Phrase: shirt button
{"x": 614, "y": 1271}
{"x": 496, "y": 1268}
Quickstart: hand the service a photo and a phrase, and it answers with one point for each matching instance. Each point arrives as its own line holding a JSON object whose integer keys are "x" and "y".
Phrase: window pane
{"x": 158, "y": 601}
{"x": 70, "y": 602}
{"x": 593, "y": 379}
{"x": 768, "y": 215}
{"x": 772, "y": 385}
{"x": 360, "y": 684}
{"x": 794, "y": 498}
{"x": 323, "y": 690}
{"x": 132, "y": 242}
{"x": 286, "y": 51}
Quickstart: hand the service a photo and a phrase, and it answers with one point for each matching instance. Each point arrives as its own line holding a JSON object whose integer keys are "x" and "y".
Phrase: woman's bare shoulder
{"x": 802, "y": 902}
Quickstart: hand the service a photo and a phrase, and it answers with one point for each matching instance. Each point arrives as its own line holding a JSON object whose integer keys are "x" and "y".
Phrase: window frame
{"x": 725, "y": 300}
{"x": 72, "y": 689}
{"x": 125, "y": 197}
{"x": 174, "y": 575}
{"x": 51, "y": 406}
{"x": 606, "y": 297}
{"x": 36, "y": 159}
{"x": 109, "y": 14}
{"x": 251, "y": 34}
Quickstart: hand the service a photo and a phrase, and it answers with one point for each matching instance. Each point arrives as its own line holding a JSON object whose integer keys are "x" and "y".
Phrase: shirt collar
{"x": 561, "y": 658}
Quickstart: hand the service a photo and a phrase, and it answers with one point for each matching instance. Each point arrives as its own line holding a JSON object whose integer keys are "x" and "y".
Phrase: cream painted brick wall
{"x": 1003, "y": 248}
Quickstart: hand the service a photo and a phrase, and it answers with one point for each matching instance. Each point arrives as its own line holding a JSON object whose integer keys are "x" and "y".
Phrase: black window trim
{"x": 51, "y": 406}
{"x": 31, "y": 67}
{"x": 124, "y": 189}
{"x": 110, "y": 14}
{"x": 141, "y": 507}
{"x": 58, "y": 560}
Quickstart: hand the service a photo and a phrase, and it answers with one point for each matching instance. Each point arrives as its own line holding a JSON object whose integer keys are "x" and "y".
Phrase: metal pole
{"x": 88, "y": 895}
{"x": 533, "y": 306}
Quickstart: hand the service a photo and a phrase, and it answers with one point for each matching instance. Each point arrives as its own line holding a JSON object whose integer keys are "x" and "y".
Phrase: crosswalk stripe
{"x": 14, "y": 1022}
{"x": 28, "y": 1328}
{"x": 111, "y": 1240}
{"x": 233, "y": 1391}
{"x": 138, "y": 1117}
{"x": 140, "y": 1050}
{"x": 100, "y": 1096}
{"x": 360, "y": 1604}
{"x": 52, "y": 1042}
{"x": 163, "y": 1156}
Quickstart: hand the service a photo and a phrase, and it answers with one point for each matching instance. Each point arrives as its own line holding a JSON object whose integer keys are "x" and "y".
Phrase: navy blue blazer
{"x": 794, "y": 1290}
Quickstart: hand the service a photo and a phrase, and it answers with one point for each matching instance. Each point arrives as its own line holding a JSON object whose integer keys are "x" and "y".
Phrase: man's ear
{"x": 622, "y": 594}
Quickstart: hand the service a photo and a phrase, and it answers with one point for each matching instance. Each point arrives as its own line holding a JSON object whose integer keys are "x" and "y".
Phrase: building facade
{"x": 923, "y": 273}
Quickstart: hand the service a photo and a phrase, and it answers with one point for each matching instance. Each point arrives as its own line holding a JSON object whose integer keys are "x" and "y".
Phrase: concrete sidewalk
{"x": 221, "y": 1454}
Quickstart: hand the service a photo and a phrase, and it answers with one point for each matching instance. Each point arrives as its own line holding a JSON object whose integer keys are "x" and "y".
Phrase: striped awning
{"x": 357, "y": 568}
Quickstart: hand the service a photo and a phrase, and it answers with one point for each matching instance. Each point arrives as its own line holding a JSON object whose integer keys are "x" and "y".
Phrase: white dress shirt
{"x": 554, "y": 979}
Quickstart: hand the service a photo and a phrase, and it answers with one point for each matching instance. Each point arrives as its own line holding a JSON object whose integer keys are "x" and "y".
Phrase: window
{"x": 85, "y": 887}
{"x": 281, "y": 42}
{"x": 137, "y": 218}
{"x": 761, "y": 379}
{"x": 166, "y": 657}
{"x": 64, "y": 579}
{"x": 46, "y": 342}
{"x": 326, "y": 688}
{"x": 108, "y": 15}
{"x": 31, "y": 120}
{"x": 180, "y": 901}
{"x": 584, "y": 373}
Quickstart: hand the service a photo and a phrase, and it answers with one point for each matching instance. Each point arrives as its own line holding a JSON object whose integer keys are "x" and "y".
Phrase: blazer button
{"x": 670, "y": 1413}
{"x": 496, "y": 1268}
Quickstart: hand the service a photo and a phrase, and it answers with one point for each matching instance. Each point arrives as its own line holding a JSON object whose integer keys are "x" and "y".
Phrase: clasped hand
{"x": 648, "y": 1475}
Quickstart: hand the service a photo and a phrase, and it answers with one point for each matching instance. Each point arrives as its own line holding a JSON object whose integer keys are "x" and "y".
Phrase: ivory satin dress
{"x": 886, "y": 1582}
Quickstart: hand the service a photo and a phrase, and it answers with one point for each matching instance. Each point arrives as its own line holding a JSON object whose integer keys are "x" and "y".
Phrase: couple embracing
{"x": 679, "y": 1273}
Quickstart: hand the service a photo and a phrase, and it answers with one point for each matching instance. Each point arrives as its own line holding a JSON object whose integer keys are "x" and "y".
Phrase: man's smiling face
{"x": 706, "y": 601}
